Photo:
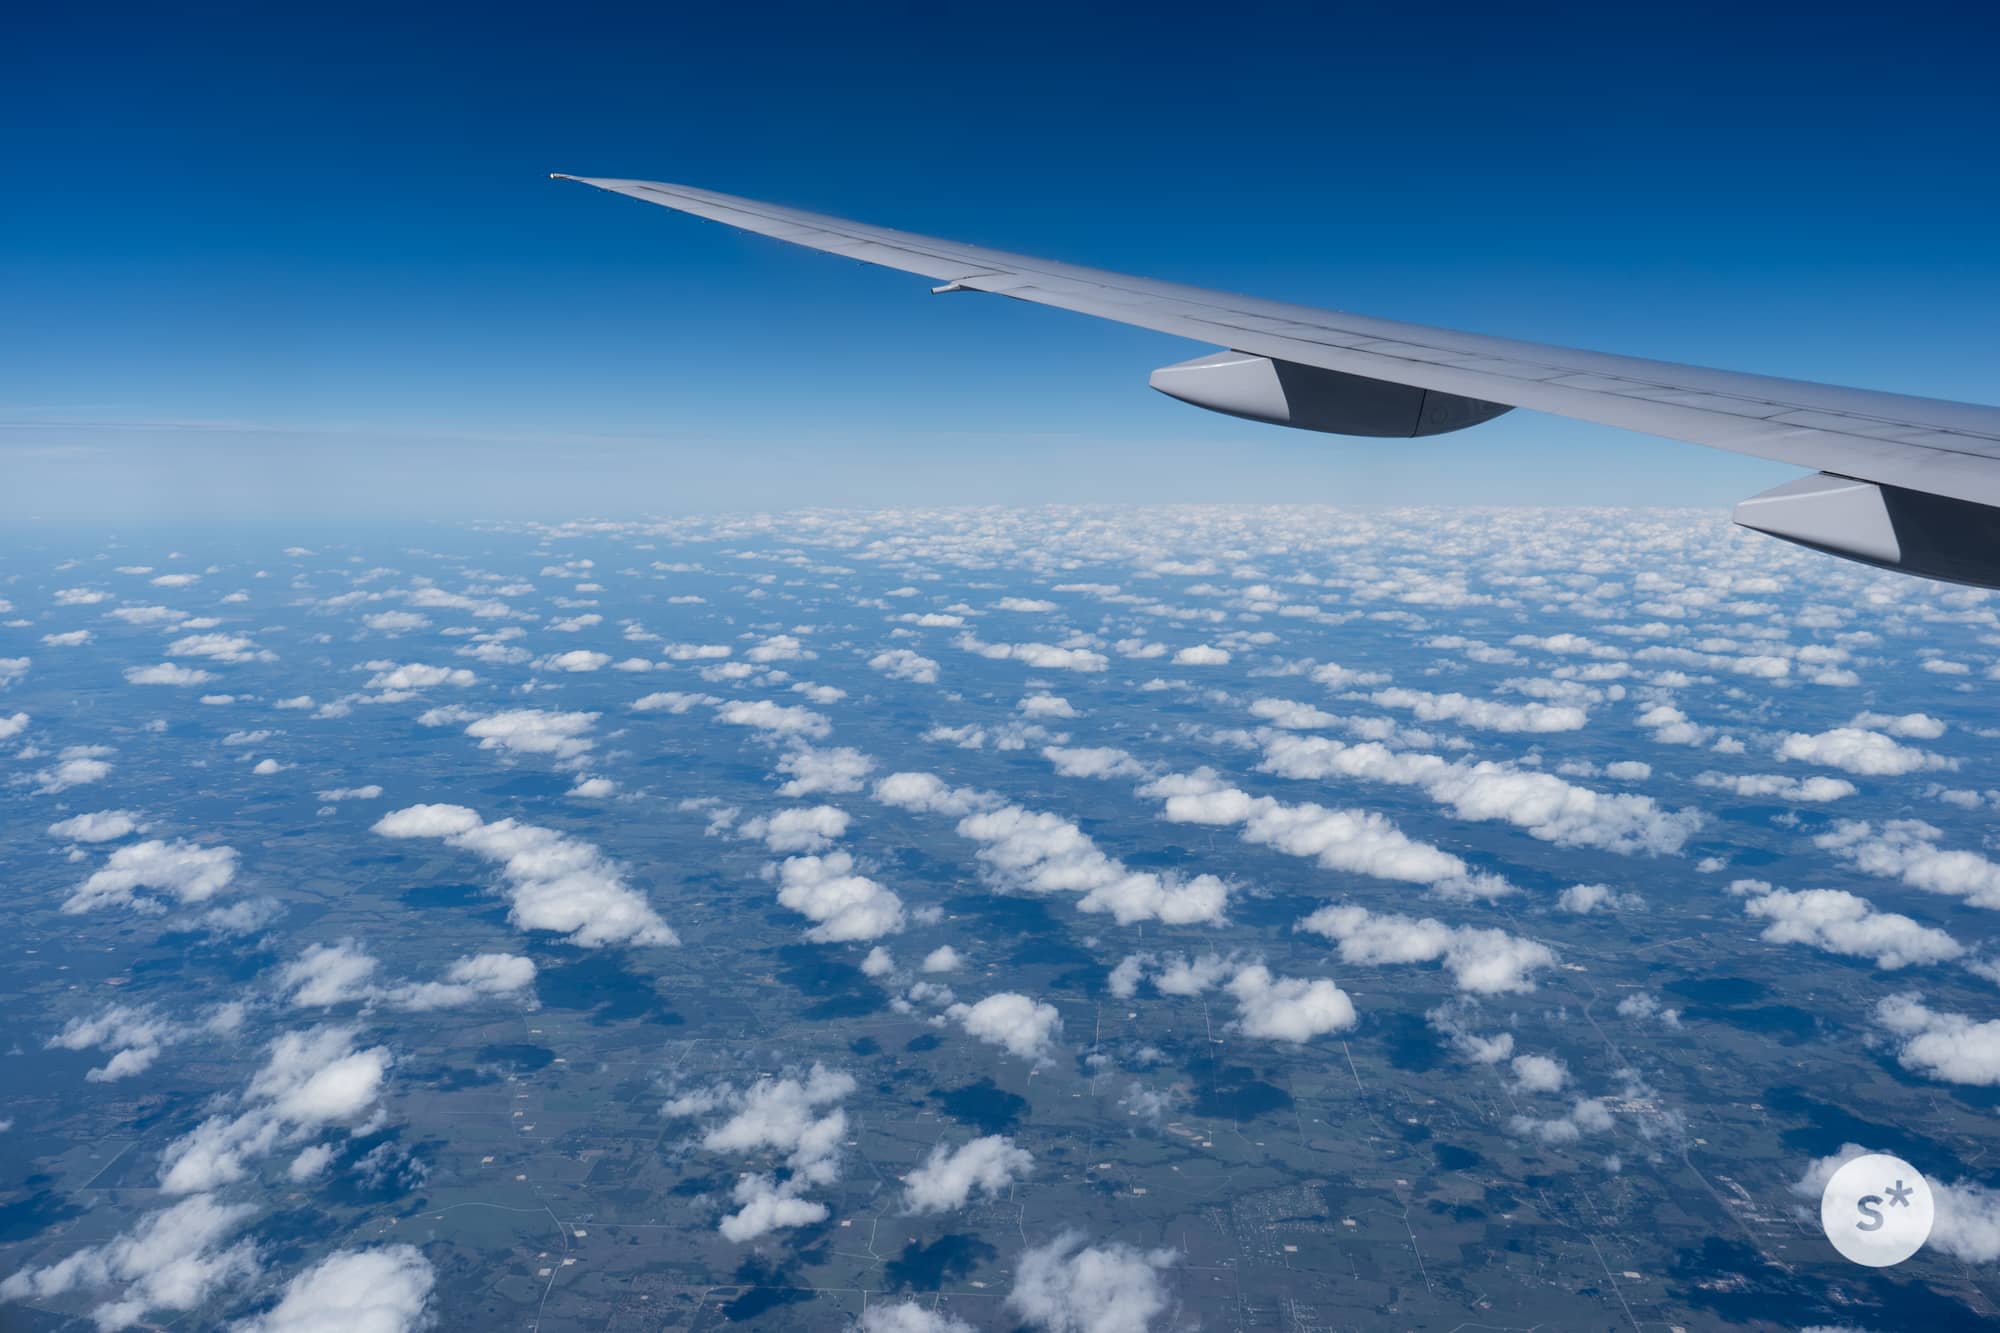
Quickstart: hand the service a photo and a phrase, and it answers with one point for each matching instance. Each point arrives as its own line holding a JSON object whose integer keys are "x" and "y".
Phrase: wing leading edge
{"x": 1914, "y": 483}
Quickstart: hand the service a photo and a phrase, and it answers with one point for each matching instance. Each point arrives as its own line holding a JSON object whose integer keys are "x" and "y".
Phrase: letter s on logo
{"x": 1868, "y": 1209}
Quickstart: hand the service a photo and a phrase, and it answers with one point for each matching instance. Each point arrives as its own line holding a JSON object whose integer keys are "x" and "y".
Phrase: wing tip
{"x": 611, "y": 183}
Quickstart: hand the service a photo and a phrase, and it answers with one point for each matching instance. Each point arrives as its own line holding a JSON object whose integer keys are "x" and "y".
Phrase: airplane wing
{"x": 1906, "y": 483}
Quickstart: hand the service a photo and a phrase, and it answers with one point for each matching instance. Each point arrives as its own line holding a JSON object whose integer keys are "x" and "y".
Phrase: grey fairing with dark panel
{"x": 1285, "y": 393}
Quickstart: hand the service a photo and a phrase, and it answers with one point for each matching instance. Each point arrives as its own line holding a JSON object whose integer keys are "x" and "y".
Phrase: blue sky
{"x": 309, "y": 262}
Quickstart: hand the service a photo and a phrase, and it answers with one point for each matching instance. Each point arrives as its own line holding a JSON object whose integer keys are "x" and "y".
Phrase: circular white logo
{"x": 1877, "y": 1210}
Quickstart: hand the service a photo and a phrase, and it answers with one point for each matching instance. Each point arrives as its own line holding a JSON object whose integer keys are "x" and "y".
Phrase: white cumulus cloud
{"x": 1855, "y": 750}
{"x": 949, "y": 1177}
{"x": 775, "y": 719}
{"x": 189, "y": 872}
{"x": 535, "y": 731}
{"x": 310, "y": 1081}
{"x": 98, "y": 826}
{"x": 1844, "y": 923}
{"x": 797, "y": 1115}
{"x": 843, "y": 904}
{"x": 554, "y": 882}
{"x": 903, "y": 664}
{"x": 1065, "y": 1286}
{"x": 1939, "y": 1044}
{"x": 386, "y": 1289}
{"x": 172, "y": 1260}
{"x": 1289, "y": 1009}
{"x": 1016, "y": 1024}
{"x": 1482, "y": 960}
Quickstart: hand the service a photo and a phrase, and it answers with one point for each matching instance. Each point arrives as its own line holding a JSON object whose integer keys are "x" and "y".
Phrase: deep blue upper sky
{"x": 322, "y": 246}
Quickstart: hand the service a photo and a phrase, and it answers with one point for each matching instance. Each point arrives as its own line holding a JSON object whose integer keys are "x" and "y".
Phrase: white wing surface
{"x": 1913, "y": 483}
